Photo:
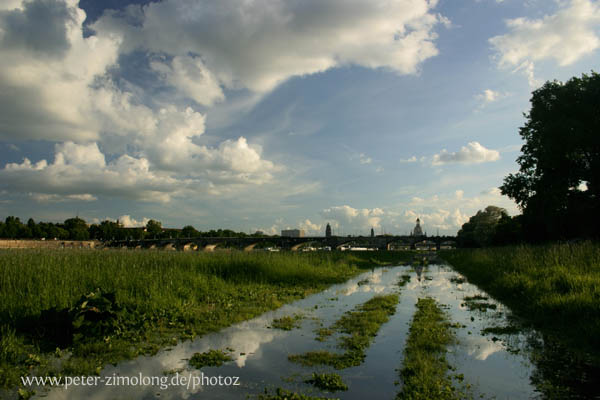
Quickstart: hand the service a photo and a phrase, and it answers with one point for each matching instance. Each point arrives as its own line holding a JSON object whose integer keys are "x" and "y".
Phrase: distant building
{"x": 417, "y": 231}
{"x": 327, "y": 231}
{"x": 372, "y": 233}
{"x": 448, "y": 245}
{"x": 292, "y": 233}
{"x": 426, "y": 245}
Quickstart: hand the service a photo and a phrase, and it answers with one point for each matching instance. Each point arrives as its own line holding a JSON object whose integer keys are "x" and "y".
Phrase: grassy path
{"x": 424, "y": 370}
{"x": 359, "y": 327}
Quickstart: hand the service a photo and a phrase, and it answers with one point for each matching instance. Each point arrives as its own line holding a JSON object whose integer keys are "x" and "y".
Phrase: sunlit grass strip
{"x": 424, "y": 371}
{"x": 360, "y": 327}
{"x": 165, "y": 297}
{"x": 557, "y": 287}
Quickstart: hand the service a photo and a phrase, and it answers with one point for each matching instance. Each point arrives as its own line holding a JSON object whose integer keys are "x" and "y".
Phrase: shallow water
{"x": 261, "y": 353}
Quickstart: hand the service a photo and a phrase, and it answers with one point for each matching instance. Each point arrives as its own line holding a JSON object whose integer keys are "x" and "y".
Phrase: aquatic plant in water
{"x": 358, "y": 328}
{"x": 328, "y": 382}
{"x": 211, "y": 358}
{"x": 287, "y": 323}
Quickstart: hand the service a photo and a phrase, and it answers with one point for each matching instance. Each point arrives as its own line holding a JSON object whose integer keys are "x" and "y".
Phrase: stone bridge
{"x": 284, "y": 243}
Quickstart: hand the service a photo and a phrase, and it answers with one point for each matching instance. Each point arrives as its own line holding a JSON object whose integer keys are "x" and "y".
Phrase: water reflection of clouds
{"x": 350, "y": 290}
{"x": 376, "y": 277}
{"x": 376, "y": 283}
{"x": 246, "y": 337}
{"x": 363, "y": 289}
{"x": 481, "y": 348}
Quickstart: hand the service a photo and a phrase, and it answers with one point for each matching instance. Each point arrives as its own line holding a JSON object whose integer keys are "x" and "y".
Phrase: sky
{"x": 273, "y": 114}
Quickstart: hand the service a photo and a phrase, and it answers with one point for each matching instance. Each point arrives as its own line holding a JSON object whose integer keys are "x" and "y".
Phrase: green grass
{"x": 404, "y": 279}
{"x": 211, "y": 358}
{"x": 327, "y": 382}
{"x": 424, "y": 371}
{"x": 477, "y": 302}
{"x": 555, "y": 287}
{"x": 287, "y": 323}
{"x": 359, "y": 327}
{"x": 147, "y": 300}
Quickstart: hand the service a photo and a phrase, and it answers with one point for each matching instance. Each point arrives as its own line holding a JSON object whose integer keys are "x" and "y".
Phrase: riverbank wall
{"x": 49, "y": 244}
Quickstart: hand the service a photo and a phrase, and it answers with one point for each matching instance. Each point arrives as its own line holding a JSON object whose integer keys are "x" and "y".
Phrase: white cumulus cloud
{"x": 565, "y": 37}
{"x": 259, "y": 44}
{"x": 79, "y": 171}
{"x": 472, "y": 153}
{"x": 189, "y": 75}
{"x": 128, "y": 222}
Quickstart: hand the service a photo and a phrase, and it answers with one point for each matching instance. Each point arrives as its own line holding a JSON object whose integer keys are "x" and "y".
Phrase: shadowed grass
{"x": 557, "y": 287}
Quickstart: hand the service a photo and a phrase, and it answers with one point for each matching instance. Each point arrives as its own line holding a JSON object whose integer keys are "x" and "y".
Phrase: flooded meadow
{"x": 489, "y": 357}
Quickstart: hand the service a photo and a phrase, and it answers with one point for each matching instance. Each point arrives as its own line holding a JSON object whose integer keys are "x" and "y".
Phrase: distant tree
{"x": 33, "y": 228}
{"x": 558, "y": 183}
{"x": 189, "y": 231}
{"x": 14, "y": 228}
{"x": 52, "y": 231}
{"x": 154, "y": 228}
{"x": 77, "y": 228}
{"x": 106, "y": 230}
{"x": 479, "y": 231}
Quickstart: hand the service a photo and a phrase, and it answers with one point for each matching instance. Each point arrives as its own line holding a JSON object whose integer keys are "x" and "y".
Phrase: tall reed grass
{"x": 557, "y": 286}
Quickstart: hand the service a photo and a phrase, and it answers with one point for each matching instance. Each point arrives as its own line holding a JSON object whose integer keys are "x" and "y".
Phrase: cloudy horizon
{"x": 274, "y": 114}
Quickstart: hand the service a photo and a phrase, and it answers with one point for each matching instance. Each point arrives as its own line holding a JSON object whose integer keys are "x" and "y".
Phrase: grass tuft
{"x": 211, "y": 358}
{"x": 287, "y": 323}
{"x": 328, "y": 382}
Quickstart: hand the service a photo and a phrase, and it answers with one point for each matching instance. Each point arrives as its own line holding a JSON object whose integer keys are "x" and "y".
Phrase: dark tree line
{"x": 77, "y": 229}
{"x": 557, "y": 186}
{"x": 72, "y": 229}
{"x": 491, "y": 227}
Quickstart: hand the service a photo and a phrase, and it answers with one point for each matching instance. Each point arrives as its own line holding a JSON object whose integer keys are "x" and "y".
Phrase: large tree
{"x": 481, "y": 228}
{"x": 558, "y": 183}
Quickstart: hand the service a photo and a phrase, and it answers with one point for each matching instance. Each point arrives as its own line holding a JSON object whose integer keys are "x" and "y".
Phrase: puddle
{"x": 260, "y": 353}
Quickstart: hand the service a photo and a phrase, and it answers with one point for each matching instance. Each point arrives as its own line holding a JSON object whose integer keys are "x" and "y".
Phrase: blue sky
{"x": 275, "y": 114}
